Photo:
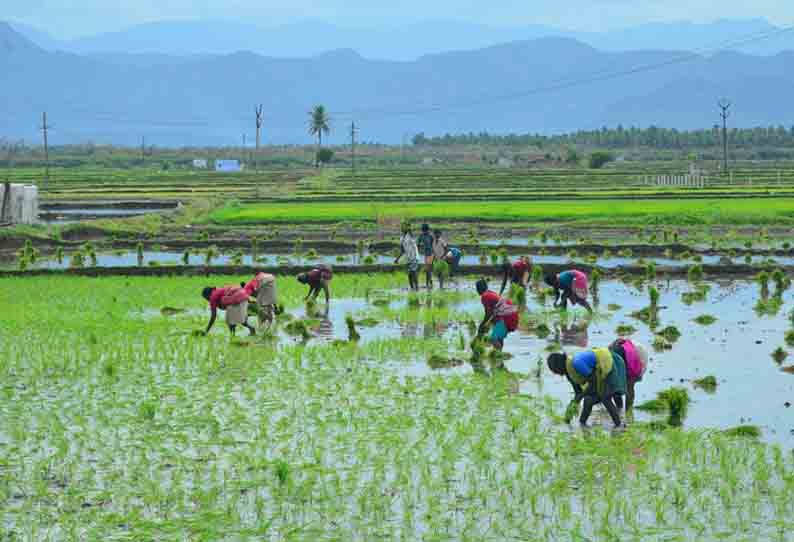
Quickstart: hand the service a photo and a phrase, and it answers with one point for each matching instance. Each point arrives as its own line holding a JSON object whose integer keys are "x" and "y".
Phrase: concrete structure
{"x": 200, "y": 163}
{"x": 19, "y": 203}
{"x": 228, "y": 165}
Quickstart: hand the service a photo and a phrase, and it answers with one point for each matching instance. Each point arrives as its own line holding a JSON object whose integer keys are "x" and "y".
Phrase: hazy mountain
{"x": 403, "y": 42}
{"x": 544, "y": 85}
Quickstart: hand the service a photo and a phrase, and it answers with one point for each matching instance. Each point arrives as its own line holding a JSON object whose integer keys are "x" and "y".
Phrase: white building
{"x": 504, "y": 162}
{"x": 19, "y": 204}
{"x": 200, "y": 163}
{"x": 228, "y": 165}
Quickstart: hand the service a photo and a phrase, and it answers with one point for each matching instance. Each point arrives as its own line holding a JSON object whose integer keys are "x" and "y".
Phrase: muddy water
{"x": 130, "y": 259}
{"x": 736, "y": 349}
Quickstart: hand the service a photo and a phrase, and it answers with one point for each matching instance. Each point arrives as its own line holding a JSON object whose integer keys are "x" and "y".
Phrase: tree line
{"x": 620, "y": 137}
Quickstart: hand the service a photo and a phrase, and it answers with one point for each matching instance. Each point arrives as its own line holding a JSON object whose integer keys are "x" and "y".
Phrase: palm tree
{"x": 318, "y": 125}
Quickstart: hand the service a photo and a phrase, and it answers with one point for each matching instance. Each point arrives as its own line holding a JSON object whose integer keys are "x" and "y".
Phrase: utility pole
{"x": 353, "y": 131}
{"x": 258, "y": 111}
{"x": 44, "y": 128}
{"x": 143, "y": 149}
{"x": 725, "y": 107}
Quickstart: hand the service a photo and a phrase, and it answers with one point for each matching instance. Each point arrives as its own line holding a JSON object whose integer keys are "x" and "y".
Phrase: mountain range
{"x": 543, "y": 85}
{"x": 402, "y": 42}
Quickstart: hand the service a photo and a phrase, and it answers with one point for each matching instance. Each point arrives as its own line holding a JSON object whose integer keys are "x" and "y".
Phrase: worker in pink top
{"x": 231, "y": 299}
{"x": 317, "y": 279}
{"x": 499, "y": 312}
{"x": 636, "y": 357}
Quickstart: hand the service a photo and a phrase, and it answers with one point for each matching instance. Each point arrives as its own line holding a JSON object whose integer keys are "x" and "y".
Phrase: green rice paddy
{"x": 119, "y": 424}
{"x": 636, "y": 212}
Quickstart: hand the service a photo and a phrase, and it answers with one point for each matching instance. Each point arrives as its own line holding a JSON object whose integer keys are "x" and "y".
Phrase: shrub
{"x": 600, "y": 158}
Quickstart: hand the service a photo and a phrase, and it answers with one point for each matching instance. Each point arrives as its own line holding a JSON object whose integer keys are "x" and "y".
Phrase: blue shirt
{"x": 584, "y": 363}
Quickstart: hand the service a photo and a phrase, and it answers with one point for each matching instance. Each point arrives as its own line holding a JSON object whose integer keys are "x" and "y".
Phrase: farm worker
{"x": 517, "y": 272}
{"x": 597, "y": 376}
{"x": 440, "y": 249}
{"x": 233, "y": 300}
{"x": 425, "y": 245}
{"x": 317, "y": 279}
{"x": 499, "y": 312}
{"x": 453, "y": 257}
{"x": 409, "y": 249}
{"x": 636, "y": 357}
{"x": 263, "y": 288}
{"x": 569, "y": 285}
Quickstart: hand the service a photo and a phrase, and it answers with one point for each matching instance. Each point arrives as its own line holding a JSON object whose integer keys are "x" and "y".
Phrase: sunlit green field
{"x": 118, "y": 424}
{"x": 603, "y": 212}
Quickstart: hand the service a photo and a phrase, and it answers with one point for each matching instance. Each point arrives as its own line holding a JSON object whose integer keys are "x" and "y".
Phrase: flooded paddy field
{"x": 119, "y": 422}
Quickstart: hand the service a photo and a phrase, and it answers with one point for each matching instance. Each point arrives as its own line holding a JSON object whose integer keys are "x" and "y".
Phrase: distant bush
{"x": 600, "y": 158}
{"x": 325, "y": 156}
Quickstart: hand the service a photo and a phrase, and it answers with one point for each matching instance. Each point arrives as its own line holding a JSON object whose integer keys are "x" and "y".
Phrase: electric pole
{"x": 353, "y": 132}
{"x": 44, "y": 128}
{"x": 258, "y": 111}
{"x": 143, "y": 149}
{"x": 725, "y": 107}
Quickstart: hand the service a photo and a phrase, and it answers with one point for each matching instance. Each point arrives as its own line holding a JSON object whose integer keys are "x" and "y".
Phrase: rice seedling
{"x": 352, "y": 333}
{"x": 779, "y": 355}
{"x": 650, "y": 271}
{"x": 789, "y": 337}
{"x": 186, "y": 257}
{"x": 705, "y": 319}
{"x": 298, "y": 328}
{"x": 677, "y": 400}
{"x": 670, "y": 333}
{"x": 624, "y": 330}
{"x": 695, "y": 273}
{"x": 595, "y": 279}
{"x": 653, "y": 294}
{"x": 517, "y": 295}
{"x": 441, "y": 269}
{"x": 744, "y": 431}
{"x": 59, "y": 255}
{"x": 537, "y": 274}
{"x": 707, "y": 383}
{"x": 237, "y": 258}
{"x": 209, "y": 255}
{"x": 139, "y": 253}
{"x": 370, "y": 260}
{"x": 78, "y": 260}
{"x": 660, "y": 344}
{"x": 763, "y": 282}
{"x": 542, "y": 331}
{"x": 781, "y": 282}
{"x": 494, "y": 256}
{"x": 699, "y": 294}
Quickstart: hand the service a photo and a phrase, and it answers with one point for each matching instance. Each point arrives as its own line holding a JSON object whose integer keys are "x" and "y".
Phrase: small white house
{"x": 504, "y": 162}
{"x": 199, "y": 163}
{"x": 20, "y": 204}
{"x": 228, "y": 165}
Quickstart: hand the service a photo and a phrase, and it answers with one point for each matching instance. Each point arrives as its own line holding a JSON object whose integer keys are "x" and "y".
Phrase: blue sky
{"x": 71, "y": 18}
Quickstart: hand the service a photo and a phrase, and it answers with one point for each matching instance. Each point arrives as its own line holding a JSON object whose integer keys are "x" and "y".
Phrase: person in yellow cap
{"x": 597, "y": 376}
